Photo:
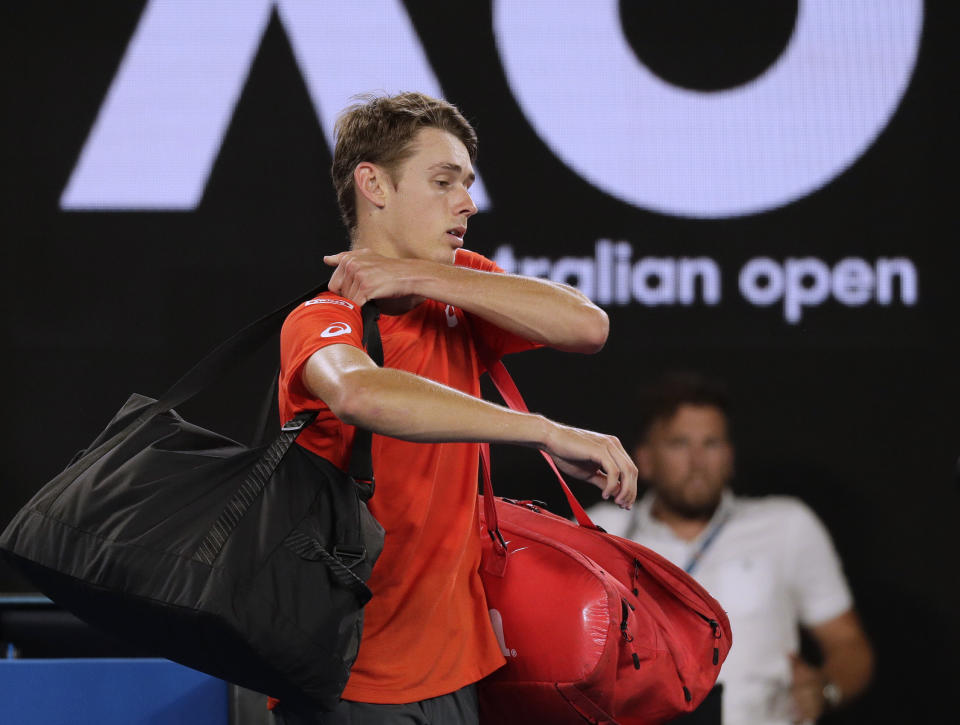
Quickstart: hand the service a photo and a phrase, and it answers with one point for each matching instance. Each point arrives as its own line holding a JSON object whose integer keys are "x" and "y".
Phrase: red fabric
{"x": 580, "y": 643}
{"x": 594, "y": 627}
{"x": 427, "y": 630}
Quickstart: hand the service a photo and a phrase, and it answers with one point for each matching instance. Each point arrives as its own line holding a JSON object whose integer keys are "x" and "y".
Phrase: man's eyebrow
{"x": 448, "y": 166}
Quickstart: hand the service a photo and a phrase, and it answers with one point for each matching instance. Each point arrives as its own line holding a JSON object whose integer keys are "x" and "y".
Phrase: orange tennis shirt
{"x": 427, "y": 630}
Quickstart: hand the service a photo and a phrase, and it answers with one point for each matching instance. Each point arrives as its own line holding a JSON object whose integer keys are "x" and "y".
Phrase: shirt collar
{"x": 647, "y": 522}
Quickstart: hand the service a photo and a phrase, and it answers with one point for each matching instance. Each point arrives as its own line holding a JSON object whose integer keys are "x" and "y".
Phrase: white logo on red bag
{"x": 497, "y": 621}
{"x": 451, "y": 316}
{"x": 336, "y": 329}
{"x": 321, "y": 301}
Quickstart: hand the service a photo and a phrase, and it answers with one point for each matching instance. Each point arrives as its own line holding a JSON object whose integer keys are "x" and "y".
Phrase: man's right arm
{"x": 401, "y": 405}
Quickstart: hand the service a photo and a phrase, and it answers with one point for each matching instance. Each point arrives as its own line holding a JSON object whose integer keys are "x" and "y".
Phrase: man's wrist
{"x": 543, "y": 428}
{"x": 431, "y": 279}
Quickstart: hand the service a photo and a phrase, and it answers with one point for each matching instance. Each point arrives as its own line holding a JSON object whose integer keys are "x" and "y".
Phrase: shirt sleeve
{"x": 820, "y": 588}
{"x": 325, "y": 320}
{"x": 488, "y": 337}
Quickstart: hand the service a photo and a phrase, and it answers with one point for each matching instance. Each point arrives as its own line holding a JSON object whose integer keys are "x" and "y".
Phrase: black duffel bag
{"x": 245, "y": 563}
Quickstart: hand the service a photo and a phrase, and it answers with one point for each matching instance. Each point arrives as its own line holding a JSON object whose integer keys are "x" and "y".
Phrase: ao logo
{"x": 687, "y": 153}
{"x": 649, "y": 143}
{"x": 163, "y": 121}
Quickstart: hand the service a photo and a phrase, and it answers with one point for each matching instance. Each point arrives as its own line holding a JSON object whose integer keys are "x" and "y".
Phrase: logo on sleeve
{"x": 325, "y": 301}
{"x": 336, "y": 329}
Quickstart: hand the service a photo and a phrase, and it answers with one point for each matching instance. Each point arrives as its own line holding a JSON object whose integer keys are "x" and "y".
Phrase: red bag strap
{"x": 489, "y": 508}
{"x": 514, "y": 400}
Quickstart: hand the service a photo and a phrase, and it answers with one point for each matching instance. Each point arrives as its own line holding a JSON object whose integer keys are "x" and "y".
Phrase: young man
{"x": 402, "y": 168}
{"x": 768, "y": 561}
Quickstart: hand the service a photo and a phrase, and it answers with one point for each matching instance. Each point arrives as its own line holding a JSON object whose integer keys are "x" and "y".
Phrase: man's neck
{"x": 371, "y": 236}
{"x": 682, "y": 526}
{"x": 369, "y": 239}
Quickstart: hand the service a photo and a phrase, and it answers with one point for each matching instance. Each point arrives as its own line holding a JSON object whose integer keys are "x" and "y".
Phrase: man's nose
{"x": 465, "y": 205}
{"x": 698, "y": 457}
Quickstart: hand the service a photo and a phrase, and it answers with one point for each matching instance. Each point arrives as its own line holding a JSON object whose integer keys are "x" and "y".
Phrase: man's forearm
{"x": 402, "y": 405}
{"x": 847, "y": 656}
{"x": 849, "y": 669}
{"x": 539, "y": 310}
{"x": 547, "y": 312}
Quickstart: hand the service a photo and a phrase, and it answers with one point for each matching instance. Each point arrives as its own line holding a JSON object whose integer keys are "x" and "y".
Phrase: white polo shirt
{"x": 771, "y": 565}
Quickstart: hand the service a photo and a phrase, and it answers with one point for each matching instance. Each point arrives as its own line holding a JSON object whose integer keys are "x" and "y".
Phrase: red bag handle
{"x": 514, "y": 400}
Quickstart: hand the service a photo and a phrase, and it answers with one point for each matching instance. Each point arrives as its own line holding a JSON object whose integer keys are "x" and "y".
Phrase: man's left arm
{"x": 846, "y": 670}
{"x": 827, "y": 612}
{"x": 535, "y": 309}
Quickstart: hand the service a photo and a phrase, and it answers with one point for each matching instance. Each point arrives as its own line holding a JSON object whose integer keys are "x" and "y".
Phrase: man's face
{"x": 428, "y": 204}
{"x": 688, "y": 459}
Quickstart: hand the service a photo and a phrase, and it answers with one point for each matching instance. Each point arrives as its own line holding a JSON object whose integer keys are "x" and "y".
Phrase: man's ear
{"x": 369, "y": 181}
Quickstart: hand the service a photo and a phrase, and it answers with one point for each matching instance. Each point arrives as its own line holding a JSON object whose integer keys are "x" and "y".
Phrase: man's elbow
{"x": 355, "y": 402}
{"x": 592, "y": 331}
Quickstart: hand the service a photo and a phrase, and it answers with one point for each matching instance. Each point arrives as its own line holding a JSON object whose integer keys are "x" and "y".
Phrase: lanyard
{"x": 634, "y": 526}
{"x": 705, "y": 544}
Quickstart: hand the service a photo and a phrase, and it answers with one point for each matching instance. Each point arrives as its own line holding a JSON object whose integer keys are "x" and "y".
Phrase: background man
{"x": 769, "y": 561}
{"x": 402, "y": 169}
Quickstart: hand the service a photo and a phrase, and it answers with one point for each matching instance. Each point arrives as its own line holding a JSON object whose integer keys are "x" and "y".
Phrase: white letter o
{"x": 688, "y": 153}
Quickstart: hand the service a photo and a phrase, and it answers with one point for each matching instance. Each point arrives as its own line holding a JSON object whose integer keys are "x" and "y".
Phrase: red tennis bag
{"x": 594, "y": 628}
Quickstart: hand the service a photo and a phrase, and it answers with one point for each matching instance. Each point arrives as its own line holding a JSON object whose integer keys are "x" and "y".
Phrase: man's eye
{"x": 442, "y": 182}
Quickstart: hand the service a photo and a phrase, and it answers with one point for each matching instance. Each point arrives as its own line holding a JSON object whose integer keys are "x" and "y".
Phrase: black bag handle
{"x": 241, "y": 345}
{"x": 361, "y": 460}
{"x": 361, "y": 455}
{"x": 230, "y": 353}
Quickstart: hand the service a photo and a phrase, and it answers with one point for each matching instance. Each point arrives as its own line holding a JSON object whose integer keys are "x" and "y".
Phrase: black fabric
{"x": 246, "y": 563}
{"x": 457, "y": 708}
{"x": 707, "y": 713}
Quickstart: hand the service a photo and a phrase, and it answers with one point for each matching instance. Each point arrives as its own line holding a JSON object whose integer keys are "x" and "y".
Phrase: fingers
{"x": 334, "y": 259}
{"x": 596, "y": 458}
{"x": 602, "y": 461}
{"x": 346, "y": 285}
{"x": 346, "y": 280}
{"x": 621, "y": 474}
{"x": 613, "y": 473}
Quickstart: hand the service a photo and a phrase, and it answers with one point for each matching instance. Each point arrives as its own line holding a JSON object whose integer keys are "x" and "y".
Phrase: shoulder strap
{"x": 361, "y": 455}
{"x": 227, "y": 355}
{"x": 232, "y": 352}
{"x": 361, "y": 459}
{"x": 511, "y": 396}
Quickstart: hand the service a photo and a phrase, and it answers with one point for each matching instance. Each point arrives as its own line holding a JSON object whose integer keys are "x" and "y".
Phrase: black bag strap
{"x": 228, "y": 354}
{"x": 361, "y": 455}
{"x": 361, "y": 465}
{"x": 309, "y": 548}
{"x": 244, "y": 343}
{"x": 250, "y": 489}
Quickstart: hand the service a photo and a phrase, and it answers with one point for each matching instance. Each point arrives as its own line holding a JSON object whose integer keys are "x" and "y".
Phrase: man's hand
{"x": 363, "y": 275}
{"x": 596, "y": 458}
{"x": 807, "y": 691}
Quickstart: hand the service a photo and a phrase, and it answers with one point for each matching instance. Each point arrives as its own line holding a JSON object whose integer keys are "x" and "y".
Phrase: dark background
{"x": 853, "y": 409}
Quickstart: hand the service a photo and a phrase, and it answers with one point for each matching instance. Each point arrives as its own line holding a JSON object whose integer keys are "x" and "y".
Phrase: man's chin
{"x": 695, "y": 509}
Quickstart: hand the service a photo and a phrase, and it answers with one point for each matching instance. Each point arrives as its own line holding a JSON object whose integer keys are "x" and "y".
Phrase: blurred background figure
{"x": 769, "y": 561}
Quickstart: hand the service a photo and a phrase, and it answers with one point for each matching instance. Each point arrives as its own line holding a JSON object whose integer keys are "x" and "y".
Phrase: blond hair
{"x": 380, "y": 130}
